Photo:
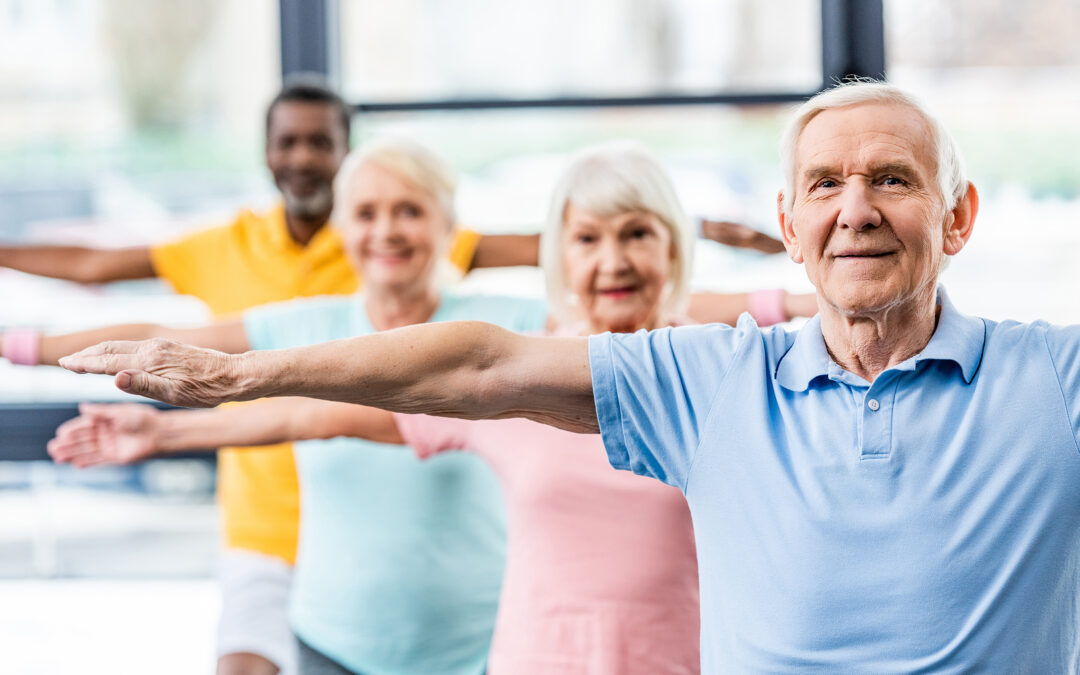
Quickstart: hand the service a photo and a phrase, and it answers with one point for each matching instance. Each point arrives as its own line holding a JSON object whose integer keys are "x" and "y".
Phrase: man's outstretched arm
{"x": 461, "y": 369}
{"x": 79, "y": 264}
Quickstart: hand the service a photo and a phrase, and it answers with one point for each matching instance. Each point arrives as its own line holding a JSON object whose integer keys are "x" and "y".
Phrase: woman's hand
{"x": 119, "y": 433}
{"x": 164, "y": 370}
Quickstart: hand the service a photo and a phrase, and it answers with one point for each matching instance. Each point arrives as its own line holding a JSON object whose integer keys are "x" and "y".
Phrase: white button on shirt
{"x": 873, "y": 404}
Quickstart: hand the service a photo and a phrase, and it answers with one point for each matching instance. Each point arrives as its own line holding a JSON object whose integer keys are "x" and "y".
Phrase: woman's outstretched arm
{"x": 121, "y": 433}
{"x": 461, "y": 369}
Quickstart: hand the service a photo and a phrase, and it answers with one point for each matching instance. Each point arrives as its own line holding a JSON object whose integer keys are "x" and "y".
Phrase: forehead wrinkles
{"x": 853, "y": 139}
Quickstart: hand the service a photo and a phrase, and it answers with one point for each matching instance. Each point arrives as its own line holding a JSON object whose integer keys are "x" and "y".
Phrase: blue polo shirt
{"x": 928, "y": 522}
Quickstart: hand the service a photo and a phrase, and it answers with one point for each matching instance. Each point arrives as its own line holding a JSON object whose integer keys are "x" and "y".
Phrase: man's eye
{"x": 893, "y": 180}
{"x": 826, "y": 183}
{"x": 586, "y": 238}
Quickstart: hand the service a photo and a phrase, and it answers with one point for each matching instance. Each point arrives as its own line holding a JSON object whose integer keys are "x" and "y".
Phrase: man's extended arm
{"x": 462, "y": 369}
{"x": 79, "y": 264}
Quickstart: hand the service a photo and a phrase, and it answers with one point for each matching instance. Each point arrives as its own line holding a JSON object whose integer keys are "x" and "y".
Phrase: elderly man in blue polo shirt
{"x": 894, "y": 488}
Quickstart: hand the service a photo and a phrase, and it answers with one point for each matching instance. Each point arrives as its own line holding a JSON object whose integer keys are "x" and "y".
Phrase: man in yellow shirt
{"x": 285, "y": 253}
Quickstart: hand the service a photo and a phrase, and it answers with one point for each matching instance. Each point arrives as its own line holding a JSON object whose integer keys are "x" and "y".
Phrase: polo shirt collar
{"x": 281, "y": 240}
{"x": 958, "y": 338}
{"x": 279, "y": 237}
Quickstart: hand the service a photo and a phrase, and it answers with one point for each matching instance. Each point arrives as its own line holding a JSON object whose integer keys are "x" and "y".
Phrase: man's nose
{"x": 302, "y": 155}
{"x": 858, "y": 210}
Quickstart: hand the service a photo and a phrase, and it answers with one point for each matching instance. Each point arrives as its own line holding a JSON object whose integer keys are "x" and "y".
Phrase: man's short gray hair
{"x": 607, "y": 180}
{"x": 951, "y": 177}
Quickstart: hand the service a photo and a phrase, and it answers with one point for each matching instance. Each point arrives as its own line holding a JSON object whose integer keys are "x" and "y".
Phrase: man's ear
{"x": 787, "y": 230}
{"x": 961, "y": 221}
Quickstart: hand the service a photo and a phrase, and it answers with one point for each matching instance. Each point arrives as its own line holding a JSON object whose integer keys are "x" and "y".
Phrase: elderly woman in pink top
{"x": 601, "y": 570}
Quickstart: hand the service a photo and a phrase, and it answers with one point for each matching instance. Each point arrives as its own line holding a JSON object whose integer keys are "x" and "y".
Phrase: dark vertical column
{"x": 852, "y": 39}
{"x": 305, "y": 36}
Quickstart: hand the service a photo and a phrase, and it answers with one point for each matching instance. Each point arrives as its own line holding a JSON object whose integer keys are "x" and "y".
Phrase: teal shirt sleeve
{"x": 654, "y": 391}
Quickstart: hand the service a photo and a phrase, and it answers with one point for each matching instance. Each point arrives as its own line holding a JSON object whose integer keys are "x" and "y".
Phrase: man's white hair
{"x": 406, "y": 159}
{"x": 608, "y": 180}
{"x": 951, "y": 176}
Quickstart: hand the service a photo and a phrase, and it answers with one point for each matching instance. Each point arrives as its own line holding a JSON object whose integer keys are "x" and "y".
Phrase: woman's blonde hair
{"x": 607, "y": 180}
{"x": 404, "y": 158}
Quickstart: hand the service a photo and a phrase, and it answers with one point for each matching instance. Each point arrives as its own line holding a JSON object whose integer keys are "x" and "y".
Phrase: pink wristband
{"x": 767, "y": 307}
{"x": 21, "y": 346}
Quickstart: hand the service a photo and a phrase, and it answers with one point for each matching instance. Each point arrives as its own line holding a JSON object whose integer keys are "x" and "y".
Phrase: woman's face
{"x": 394, "y": 231}
{"x": 617, "y": 266}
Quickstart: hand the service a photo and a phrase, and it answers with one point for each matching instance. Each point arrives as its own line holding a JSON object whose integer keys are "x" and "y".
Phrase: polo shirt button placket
{"x": 875, "y": 423}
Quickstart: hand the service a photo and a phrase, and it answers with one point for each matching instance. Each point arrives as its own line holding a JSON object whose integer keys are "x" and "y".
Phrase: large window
{"x": 428, "y": 49}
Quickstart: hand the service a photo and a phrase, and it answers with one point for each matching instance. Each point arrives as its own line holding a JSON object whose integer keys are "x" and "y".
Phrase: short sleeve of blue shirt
{"x": 1064, "y": 345}
{"x": 654, "y": 390}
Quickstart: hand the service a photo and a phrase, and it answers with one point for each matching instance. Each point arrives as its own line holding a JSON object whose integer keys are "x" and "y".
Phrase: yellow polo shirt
{"x": 254, "y": 261}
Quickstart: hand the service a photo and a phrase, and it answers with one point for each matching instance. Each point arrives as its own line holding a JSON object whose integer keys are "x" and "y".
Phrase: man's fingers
{"x": 135, "y": 382}
{"x": 152, "y": 386}
{"x": 106, "y": 358}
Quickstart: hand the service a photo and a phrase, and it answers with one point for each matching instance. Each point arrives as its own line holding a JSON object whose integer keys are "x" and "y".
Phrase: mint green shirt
{"x": 400, "y": 561}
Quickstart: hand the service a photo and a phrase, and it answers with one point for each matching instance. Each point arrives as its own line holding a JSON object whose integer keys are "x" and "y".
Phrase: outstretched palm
{"x": 107, "y": 434}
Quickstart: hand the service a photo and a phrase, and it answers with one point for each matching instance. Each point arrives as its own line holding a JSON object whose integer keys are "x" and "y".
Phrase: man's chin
{"x": 308, "y": 206}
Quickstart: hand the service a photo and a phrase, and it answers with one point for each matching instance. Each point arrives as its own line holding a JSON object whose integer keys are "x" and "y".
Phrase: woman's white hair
{"x": 404, "y": 158}
{"x": 951, "y": 177}
{"x": 608, "y": 180}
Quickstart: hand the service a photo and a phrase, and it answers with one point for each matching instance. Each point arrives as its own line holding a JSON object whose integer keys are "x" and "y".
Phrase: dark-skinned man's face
{"x": 305, "y": 145}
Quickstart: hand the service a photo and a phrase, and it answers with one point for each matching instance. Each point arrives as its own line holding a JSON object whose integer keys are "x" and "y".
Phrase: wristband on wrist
{"x": 21, "y": 346}
{"x": 767, "y": 307}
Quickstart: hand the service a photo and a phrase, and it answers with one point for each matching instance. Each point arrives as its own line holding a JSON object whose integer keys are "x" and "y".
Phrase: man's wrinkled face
{"x": 305, "y": 145}
{"x": 868, "y": 218}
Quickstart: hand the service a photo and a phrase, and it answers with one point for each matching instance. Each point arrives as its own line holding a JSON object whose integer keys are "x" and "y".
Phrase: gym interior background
{"x": 123, "y": 122}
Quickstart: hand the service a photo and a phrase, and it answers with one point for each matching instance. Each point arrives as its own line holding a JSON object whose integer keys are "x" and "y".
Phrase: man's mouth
{"x": 862, "y": 255}
{"x": 301, "y": 184}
